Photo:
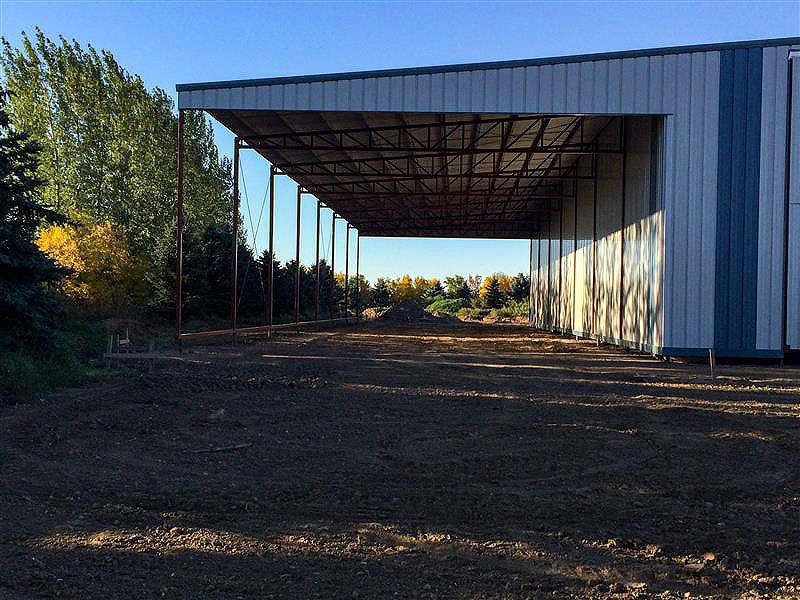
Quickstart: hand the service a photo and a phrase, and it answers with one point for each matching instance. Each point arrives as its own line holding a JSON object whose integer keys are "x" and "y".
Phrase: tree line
{"x": 87, "y": 210}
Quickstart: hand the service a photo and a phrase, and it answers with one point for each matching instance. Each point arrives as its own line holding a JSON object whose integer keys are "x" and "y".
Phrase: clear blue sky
{"x": 177, "y": 42}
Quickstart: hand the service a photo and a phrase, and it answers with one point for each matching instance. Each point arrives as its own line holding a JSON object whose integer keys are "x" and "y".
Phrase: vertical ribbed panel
{"x": 533, "y": 297}
{"x": 543, "y": 303}
{"x": 772, "y": 199}
{"x": 642, "y": 85}
{"x": 554, "y": 274}
{"x": 608, "y": 246}
{"x": 567, "y": 264}
{"x": 736, "y": 274}
{"x": 642, "y": 248}
{"x": 581, "y": 286}
{"x": 793, "y": 272}
{"x": 690, "y": 174}
{"x": 583, "y": 259}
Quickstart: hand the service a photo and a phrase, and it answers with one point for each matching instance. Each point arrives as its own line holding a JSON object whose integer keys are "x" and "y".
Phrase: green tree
{"x": 381, "y": 294}
{"x": 435, "y": 290}
{"x": 494, "y": 295}
{"x": 458, "y": 289}
{"x": 109, "y": 147}
{"x": 27, "y": 276}
{"x": 520, "y": 288}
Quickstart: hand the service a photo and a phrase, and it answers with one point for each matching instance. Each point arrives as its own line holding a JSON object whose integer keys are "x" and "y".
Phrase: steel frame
{"x": 462, "y": 177}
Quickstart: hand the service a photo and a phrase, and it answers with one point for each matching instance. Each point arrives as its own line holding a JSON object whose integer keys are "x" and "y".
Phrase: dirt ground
{"x": 376, "y": 461}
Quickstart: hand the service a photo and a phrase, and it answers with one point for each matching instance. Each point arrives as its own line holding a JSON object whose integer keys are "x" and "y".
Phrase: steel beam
{"x": 270, "y": 269}
{"x": 346, "y": 269}
{"x": 332, "y": 299}
{"x": 235, "y": 238}
{"x": 297, "y": 260}
{"x": 179, "y": 232}
{"x": 316, "y": 283}
{"x": 358, "y": 277}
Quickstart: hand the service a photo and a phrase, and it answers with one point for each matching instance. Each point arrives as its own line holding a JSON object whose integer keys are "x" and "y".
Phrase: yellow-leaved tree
{"x": 105, "y": 275}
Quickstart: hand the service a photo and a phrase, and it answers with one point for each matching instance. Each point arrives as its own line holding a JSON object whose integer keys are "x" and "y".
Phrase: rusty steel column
{"x": 316, "y": 283}
{"x": 332, "y": 299}
{"x": 297, "y": 261}
{"x": 271, "y": 248}
{"x": 235, "y": 237}
{"x": 179, "y": 234}
{"x": 347, "y": 271}
{"x": 358, "y": 280}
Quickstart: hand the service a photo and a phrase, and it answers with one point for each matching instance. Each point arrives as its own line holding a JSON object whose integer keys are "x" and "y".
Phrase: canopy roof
{"x": 427, "y": 174}
{"x": 472, "y": 150}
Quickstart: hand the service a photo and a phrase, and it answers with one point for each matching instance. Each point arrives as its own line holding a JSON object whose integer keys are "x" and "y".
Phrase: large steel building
{"x": 660, "y": 188}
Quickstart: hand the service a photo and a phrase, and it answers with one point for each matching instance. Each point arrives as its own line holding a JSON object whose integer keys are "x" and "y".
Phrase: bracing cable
{"x": 254, "y": 230}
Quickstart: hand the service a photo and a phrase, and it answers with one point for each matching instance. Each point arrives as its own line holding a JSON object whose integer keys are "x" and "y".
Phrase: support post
{"x": 347, "y": 271}
{"x": 235, "y": 238}
{"x": 332, "y": 302}
{"x": 179, "y": 234}
{"x": 530, "y": 283}
{"x": 297, "y": 261}
{"x": 358, "y": 277}
{"x": 316, "y": 284}
{"x": 270, "y": 294}
{"x": 595, "y": 166}
{"x": 624, "y": 144}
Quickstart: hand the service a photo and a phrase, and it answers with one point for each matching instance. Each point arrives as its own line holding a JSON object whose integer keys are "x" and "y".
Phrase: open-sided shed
{"x": 654, "y": 185}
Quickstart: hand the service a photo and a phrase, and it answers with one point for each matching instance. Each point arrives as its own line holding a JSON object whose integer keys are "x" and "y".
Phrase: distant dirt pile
{"x": 409, "y": 311}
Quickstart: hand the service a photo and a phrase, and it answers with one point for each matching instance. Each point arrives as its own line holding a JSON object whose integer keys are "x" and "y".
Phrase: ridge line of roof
{"x": 481, "y": 66}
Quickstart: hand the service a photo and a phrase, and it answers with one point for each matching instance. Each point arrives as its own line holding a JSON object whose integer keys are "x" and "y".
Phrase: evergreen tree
{"x": 381, "y": 294}
{"x": 434, "y": 291}
{"x": 520, "y": 287}
{"x": 26, "y": 275}
{"x": 458, "y": 289}
{"x": 494, "y": 295}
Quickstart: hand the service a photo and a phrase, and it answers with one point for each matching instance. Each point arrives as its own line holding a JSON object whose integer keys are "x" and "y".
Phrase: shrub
{"x": 31, "y": 369}
{"x": 448, "y": 306}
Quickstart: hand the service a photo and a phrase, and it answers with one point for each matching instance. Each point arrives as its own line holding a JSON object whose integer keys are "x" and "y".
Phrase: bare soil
{"x": 379, "y": 460}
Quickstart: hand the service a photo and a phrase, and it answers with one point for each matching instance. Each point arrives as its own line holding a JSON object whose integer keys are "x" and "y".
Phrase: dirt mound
{"x": 409, "y": 311}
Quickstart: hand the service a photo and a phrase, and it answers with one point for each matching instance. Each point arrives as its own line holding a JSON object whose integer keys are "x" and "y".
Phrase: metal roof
{"x": 471, "y": 150}
{"x": 507, "y": 64}
{"x": 430, "y": 175}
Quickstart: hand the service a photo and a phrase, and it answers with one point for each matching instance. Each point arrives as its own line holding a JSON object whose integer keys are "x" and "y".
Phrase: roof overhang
{"x": 428, "y": 175}
{"x": 478, "y": 150}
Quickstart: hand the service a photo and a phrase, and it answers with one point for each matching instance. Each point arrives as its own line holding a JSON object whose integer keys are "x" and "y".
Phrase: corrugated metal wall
{"x": 793, "y": 281}
{"x": 685, "y": 88}
{"x": 582, "y": 283}
{"x": 772, "y": 198}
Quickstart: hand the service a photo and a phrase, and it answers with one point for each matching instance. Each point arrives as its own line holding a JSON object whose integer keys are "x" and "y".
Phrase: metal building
{"x": 660, "y": 188}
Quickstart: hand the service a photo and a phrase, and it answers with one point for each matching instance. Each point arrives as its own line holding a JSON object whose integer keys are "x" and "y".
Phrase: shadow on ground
{"x": 469, "y": 462}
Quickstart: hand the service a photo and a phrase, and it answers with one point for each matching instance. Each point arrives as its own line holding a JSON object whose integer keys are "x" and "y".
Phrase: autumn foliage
{"x": 104, "y": 275}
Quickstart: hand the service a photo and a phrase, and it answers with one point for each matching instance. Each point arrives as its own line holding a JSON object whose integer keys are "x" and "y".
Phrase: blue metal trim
{"x": 506, "y": 64}
{"x": 703, "y": 353}
{"x": 739, "y": 147}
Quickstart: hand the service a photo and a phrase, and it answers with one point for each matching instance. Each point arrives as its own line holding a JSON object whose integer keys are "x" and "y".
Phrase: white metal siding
{"x": 690, "y": 176}
{"x": 565, "y": 321}
{"x": 684, "y": 86}
{"x": 793, "y": 292}
{"x": 772, "y": 199}
{"x": 583, "y": 259}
